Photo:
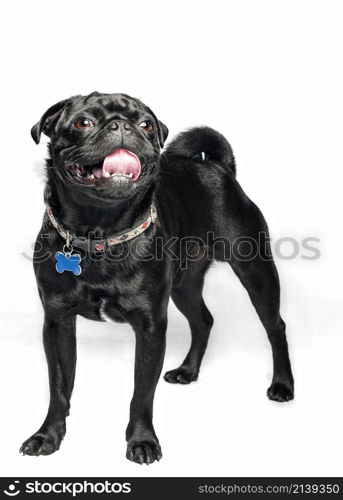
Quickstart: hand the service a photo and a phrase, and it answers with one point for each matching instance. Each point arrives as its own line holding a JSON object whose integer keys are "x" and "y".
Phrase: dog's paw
{"x": 143, "y": 452}
{"x": 43, "y": 442}
{"x": 281, "y": 392}
{"x": 181, "y": 376}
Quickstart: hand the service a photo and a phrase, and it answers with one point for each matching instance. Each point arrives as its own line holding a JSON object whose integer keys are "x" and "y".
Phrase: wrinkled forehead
{"x": 107, "y": 105}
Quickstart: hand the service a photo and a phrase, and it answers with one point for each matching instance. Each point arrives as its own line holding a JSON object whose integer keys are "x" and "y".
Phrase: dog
{"x": 129, "y": 225}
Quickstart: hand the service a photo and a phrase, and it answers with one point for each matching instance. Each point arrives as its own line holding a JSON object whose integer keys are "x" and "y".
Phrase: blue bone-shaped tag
{"x": 68, "y": 263}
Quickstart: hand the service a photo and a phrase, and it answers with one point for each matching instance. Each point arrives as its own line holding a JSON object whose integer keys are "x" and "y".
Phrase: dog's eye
{"x": 147, "y": 125}
{"x": 83, "y": 123}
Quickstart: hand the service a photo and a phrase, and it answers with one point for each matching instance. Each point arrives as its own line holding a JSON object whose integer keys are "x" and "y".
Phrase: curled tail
{"x": 204, "y": 144}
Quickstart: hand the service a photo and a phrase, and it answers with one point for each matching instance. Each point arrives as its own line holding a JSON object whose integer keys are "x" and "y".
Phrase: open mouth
{"x": 121, "y": 166}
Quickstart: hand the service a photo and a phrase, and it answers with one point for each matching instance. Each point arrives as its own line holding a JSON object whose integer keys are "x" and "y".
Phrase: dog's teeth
{"x": 115, "y": 174}
{"x": 91, "y": 177}
{"x": 79, "y": 169}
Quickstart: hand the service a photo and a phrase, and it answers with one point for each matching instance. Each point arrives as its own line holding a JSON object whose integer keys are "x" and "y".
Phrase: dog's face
{"x": 104, "y": 145}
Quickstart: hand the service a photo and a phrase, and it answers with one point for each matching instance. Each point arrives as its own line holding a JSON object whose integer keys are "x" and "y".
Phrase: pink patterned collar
{"x": 98, "y": 244}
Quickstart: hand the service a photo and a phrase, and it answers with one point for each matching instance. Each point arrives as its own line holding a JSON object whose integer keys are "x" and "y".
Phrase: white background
{"x": 268, "y": 75}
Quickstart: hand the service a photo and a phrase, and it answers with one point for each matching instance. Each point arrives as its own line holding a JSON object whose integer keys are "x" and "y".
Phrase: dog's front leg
{"x": 143, "y": 445}
{"x": 60, "y": 349}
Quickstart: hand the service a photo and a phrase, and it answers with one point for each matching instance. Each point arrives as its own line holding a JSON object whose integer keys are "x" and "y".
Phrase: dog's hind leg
{"x": 188, "y": 299}
{"x": 260, "y": 278}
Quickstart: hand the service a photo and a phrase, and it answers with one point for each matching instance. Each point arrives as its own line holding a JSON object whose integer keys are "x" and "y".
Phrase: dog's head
{"x": 104, "y": 145}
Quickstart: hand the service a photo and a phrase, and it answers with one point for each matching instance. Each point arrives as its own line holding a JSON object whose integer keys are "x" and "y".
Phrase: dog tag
{"x": 68, "y": 262}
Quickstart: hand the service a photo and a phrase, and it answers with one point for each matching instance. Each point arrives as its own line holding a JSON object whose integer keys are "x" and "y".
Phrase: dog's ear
{"x": 162, "y": 132}
{"x": 48, "y": 119}
{"x": 162, "y": 129}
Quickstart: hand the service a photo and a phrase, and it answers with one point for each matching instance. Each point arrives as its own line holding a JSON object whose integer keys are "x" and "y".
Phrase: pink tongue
{"x": 121, "y": 161}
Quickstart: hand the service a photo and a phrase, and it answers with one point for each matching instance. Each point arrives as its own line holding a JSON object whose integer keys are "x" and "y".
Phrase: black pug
{"x": 127, "y": 227}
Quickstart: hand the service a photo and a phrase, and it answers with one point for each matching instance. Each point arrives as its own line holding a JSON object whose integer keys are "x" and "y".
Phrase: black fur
{"x": 203, "y": 215}
{"x": 203, "y": 143}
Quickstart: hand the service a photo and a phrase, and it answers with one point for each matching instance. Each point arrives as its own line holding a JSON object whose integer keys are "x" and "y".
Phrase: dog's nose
{"x": 123, "y": 126}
